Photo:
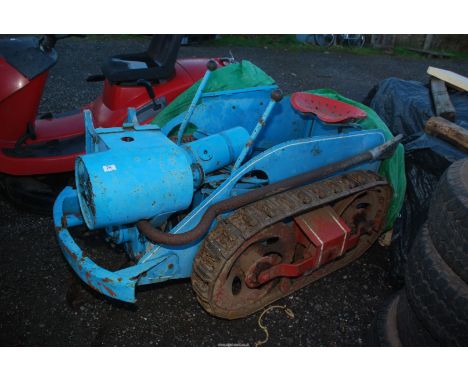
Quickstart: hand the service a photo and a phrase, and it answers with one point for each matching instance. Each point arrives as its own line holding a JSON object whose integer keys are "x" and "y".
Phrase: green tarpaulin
{"x": 246, "y": 75}
{"x": 394, "y": 168}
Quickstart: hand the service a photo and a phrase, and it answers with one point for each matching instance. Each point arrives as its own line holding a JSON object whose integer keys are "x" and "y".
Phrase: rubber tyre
{"x": 448, "y": 218}
{"x": 384, "y": 329}
{"x": 34, "y": 194}
{"x": 437, "y": 295}
{"x": 411, "y": 331}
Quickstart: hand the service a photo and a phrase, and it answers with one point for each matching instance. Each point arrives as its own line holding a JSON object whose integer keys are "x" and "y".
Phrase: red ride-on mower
{"x": 37, "y": 152}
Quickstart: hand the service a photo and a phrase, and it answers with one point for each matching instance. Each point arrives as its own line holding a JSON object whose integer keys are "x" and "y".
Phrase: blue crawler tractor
{"x": 256, "y": 196}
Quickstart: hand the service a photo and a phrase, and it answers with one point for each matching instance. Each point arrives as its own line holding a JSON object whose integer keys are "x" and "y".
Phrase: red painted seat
{"x": 326, "y": 109}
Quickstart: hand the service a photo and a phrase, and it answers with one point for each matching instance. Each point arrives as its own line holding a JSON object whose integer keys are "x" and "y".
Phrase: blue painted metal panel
{"x": 218, "y": 111}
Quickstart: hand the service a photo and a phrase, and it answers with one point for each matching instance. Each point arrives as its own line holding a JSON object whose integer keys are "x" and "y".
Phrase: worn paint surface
{"x": 287, "y": 144}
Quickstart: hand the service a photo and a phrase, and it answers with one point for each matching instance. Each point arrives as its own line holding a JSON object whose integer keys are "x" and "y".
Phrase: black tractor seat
{"x": 157, "y": 63}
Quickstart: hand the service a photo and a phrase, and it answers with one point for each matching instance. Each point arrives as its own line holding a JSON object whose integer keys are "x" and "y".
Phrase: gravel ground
{"x": 35, "y": 279}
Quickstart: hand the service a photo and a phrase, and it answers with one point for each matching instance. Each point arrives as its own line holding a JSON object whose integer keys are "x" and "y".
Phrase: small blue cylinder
{"x": 218, "y": 150}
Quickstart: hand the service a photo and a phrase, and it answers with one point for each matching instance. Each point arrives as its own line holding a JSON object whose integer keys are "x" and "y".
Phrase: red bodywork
{"x": 19, "y": 102}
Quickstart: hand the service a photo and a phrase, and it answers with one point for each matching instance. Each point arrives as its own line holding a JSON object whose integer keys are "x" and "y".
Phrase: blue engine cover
{"x": 152, "y": 175}
{"x": 143, "y": 174}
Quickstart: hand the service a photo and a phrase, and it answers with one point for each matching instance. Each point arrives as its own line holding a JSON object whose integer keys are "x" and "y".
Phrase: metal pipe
{"x": 211, "y": 66}
{"x": 236, "y": 202}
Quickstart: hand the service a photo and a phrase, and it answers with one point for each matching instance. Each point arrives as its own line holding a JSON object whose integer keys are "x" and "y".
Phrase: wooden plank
{"x": 454, "y": 79}
{"x": 448, "y": 131}
{"x": 431, "y": 53}
{"x": 443, "y": 106}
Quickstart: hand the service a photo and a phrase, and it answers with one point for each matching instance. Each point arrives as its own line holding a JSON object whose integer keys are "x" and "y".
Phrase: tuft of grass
{"x": 258, "y": 41}
{"x": 404, "y": 52}
{"x": 457, "y": 55}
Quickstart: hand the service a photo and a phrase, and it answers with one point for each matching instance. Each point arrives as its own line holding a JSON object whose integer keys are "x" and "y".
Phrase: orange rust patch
{"x": 109, "y": 290}
{"x": 72, "y": 254}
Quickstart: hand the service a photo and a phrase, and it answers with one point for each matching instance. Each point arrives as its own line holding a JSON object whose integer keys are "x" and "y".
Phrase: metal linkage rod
{"x": 211, "y": 67}
{"x": 276, "y": 96}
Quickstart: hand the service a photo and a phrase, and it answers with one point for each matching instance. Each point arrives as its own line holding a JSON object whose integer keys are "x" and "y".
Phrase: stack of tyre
{"x": 432, "y": 309}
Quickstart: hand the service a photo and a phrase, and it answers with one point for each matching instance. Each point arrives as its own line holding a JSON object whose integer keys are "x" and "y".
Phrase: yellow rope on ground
{"x": 288, "y": 312}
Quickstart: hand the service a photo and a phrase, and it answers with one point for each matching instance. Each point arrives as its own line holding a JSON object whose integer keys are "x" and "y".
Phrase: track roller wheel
{"x": 263, "y": 235}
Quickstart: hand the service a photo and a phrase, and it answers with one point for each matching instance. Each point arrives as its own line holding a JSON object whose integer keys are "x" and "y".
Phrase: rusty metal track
{"x": 220, "y": 246}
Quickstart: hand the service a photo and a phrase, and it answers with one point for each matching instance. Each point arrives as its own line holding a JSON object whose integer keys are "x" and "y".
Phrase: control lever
{"x": 276, "y": 96}
{"x": 211, "y": 67}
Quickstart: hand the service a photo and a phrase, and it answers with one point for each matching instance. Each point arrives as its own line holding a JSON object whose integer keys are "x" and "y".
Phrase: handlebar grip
{"x": 277, "y": 95}
{"x": 212, "y": 65}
